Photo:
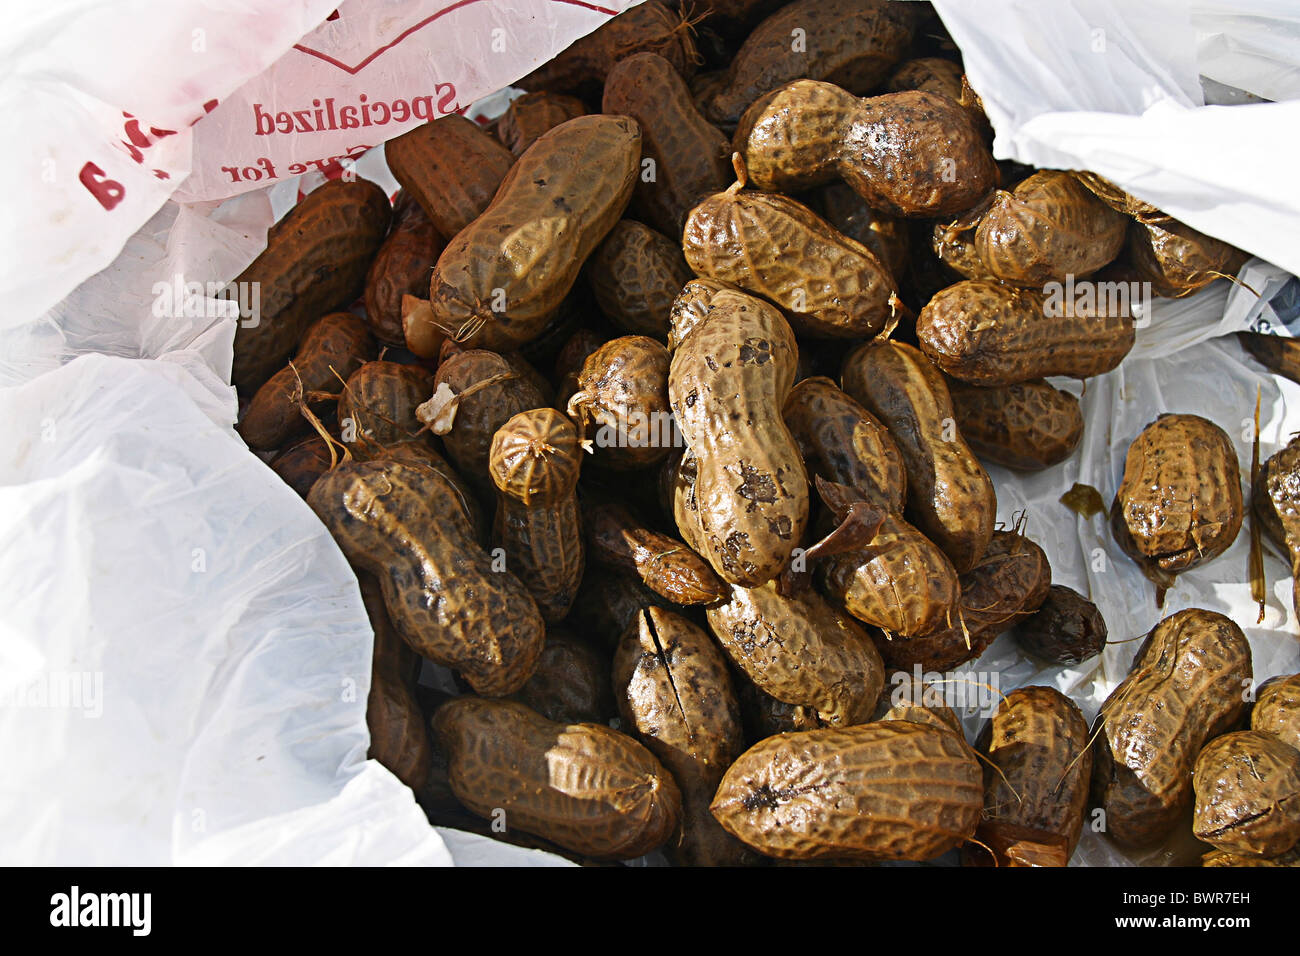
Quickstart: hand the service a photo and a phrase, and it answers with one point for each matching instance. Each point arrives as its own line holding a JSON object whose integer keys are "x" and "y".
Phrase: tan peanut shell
{"x": 1039, "y": 764}
{"x": 401, "y": 267}
{"x": 404, "y": 524}
{"x": 489, "y": 390}
{"x": 1008, "y": 584}
{"x": 1247, "y": 787}
{"x": 418, "y": 451}
{"x": 801, "y": 651}
{"x": 664, "y": 564}
{"x": 987, "y": 333}
{"x": 691, "y": 305}
{"x": 1277, "y": 709}
{"x": 1047, "y": 227}
{"x": 907, "y": 154}
{"x": 844, "y": 443}
{"x": 650, "y": 26}
{"x": 829, "y": 285}
{"x": 378, "y": 402}
{"x": 571, "y": 683}
{"x": 1179, "y": 502}
{"x": 583, "y": 786}
{"x": 674, "y": 692}
{"x": 1186, "y": 686}
{"x": 1275, "y": 352}
{"x": 851, "y": 43}
{"x": 950, "y": 497}
{"x": 334, "y": 347}
{"x": 500, "y": 279}
{"x": 621, "y": 404}
{"x": 1118, "y": 199}
{"x": 727, "y": 384}
{"x": 1176, "y": 259}
{"x": 1027, "y": 426}
{"x": 529, "y": 116}
{"x": 635, "y": 275}
{"x": 1219, "y": 858}
{"x": 452, "y": 167}
{"x": 684, "y": 157}
{"x": 890, "y": 790}
{"x": 534, "y": 462}
{"x": 315, "y": 262}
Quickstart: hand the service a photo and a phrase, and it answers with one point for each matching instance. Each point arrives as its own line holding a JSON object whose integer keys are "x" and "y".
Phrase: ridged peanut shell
{"x": 1247, "y": 787}
{"x": 1027, "y": 426}
{"x": 636, "y": 274}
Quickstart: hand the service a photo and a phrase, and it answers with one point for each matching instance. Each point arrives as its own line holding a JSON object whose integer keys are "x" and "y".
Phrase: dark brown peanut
{"x": 1119, "y": 200}
{"x": 404, "y": 524}
{"x": 622, "y": 403}
{"x": 1275, "y": 498}
{"x": 608, "y": 601}
{"x": 1275, "y": 352}
{"x": 1038, "y": 764}
{"x": 765, "y": 716}
{"x": 891, "y": 790}
{"x": 531, "y": 115}
{"x": 315, "y": 262}
{"x": 1277, "y": 709}
{"x": 534, "y": 462}
{"x": 571, "y": 684}
{"x": 1028, "y": 426}
{"x": 801, "y": 651}
{"x": 1247, "y": 788}
{"x": 987, "y": 333}
{"x": 586, "y": 787}
{"x": 1179, "y": 502}
{"x": 950, "y": 497}
{"x": 649, "y": 26}
{"x": 501, "y": 278}
{"x": 851, "y": 43}
{"x": 844, "y": 443}
{"x": 1176, "y": 259}
{"x": 886, "y": 236}
{"x": 300, "y": 465}
{"x": 663, "y": 564}
{"x": 1049, "y": 227}
{"x": 378, "y": 403}
{"x": 1186, "y": 686}
{"x": 674, "y": 692}
{"x": 399, "y": 734}
{"x": 635, "y": 275}
{"x": 333, "y": 348}
{"x": 829, "y": 285}
{"x": 907, "y": 154}
{"x": 452, "y": 167}
{"x": 401, "y": 267}
{"x": 1067, "y": 629}
{"x": 727, "y": 384}
{"x": 489, "y": 390}
{"x": 685, "y": 158}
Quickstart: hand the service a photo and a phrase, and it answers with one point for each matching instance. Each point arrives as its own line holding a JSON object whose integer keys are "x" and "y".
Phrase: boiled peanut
{"x": 1008, "y": 584}
{"x": 685, "y": 157}
{"x": 1179, "y": 502}
{"x": 830, "y": 285}
{"x": 399, "y": 735}
{"x": 1186, "y": 686}
{"x": 531, "y": 115}
{"x": 649, "y": 26}
{"x": 1275, "y": 498}
{"x": 586, "y": 787}
{"x": 1247, "y": 788}
{"x": 891, "y": 790}
{"x": 663, "y": 564}
{"x": 987, "y": 333}
{"x": 1119, "y": 200}
{"x": 534, "y": 462}
{"x": 886, "y": 236}
{"x": 1275, "y": 352}
{"x": 950, "y": 497}
{"x": 673, "y": 690}
{"x": 691, "y": 305}
{"x": 401, "y": 267}
{"x": 635, "y": 275}
{"x": 1277, "y": 709}
{"x": 452, "y": 167}
{"x": 765, "y": 716}
{"x": 1038, "y": 764}
{"x": 418, "y": 451}
{"x": 727, "y": 384}
{"x": 622, "y": 400}
{"x": 844, "y": 443}
{"x": 852, "y": 43}
{"x": 404, "y": 524}
{"x": 378, "y": 402}
{"x": 571, "y": 683}
{"x": 334, "y": 347}
{"x": 1176, "y": 259}
{"x": 608, "y": 602}
{"x": 907, "y": 154}
{"x": 1067, "y": 629}
{"x": 315, "y": 262}
{"x": 500, "y": 279}
{"x": 801, "y": 651}
{"x": 300, "y": 465}
{"x": 1027, "y": 426}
